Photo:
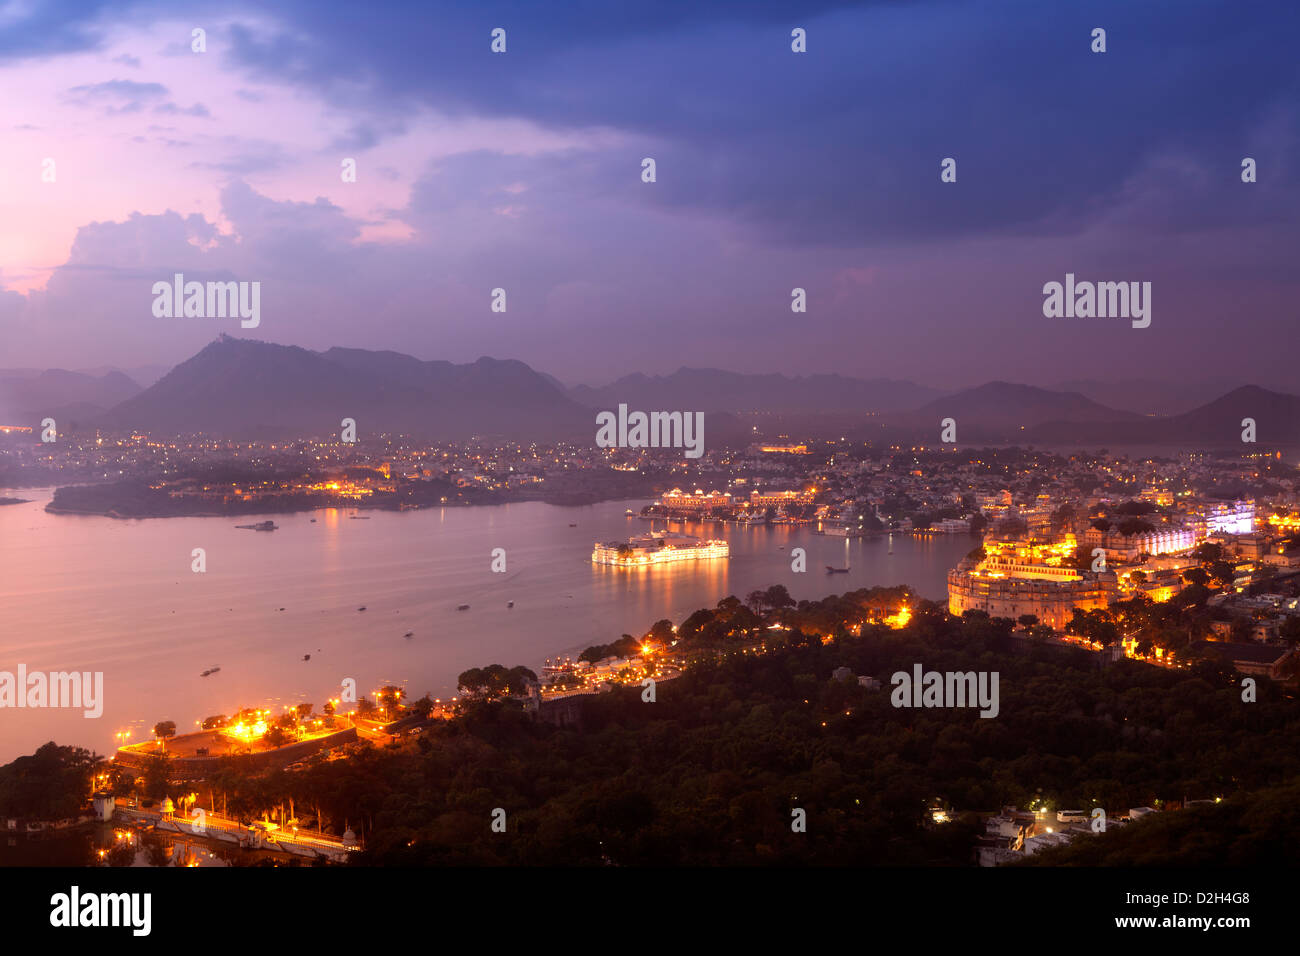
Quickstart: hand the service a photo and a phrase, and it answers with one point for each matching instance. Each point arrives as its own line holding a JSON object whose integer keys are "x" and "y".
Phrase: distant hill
{"x": 1149, "y": 397}
{"x": 145, "y": 375}
{"x": 28, "y": 395}
{"x": 1276, "y": 416}
{"x": 241, "y": 387}
{"x": 713, "y": 390}
{"x": 1004, "y": 411}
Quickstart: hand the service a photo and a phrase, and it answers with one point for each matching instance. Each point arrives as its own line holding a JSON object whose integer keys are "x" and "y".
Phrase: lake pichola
{"x": 95, "y": 594}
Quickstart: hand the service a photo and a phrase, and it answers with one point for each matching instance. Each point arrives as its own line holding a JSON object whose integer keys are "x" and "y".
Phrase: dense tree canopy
{"x": 50, "y": 784}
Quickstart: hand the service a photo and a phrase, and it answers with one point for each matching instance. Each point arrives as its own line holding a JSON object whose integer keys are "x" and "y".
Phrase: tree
{"x": 662, "y": 632}
{"x": 1208, "y": 553}
{"x": 50, "y": 784}
{"x": 1027, "y": 621}
{"x": 692, "y": 626}
{"x": 1093, "y": 625}
{"x": 1132, "y": 526}
{"x": 390, "y": 700}
{"x": 625, "y": 646}
{"x": 155, "y": 775}
{"x": 778, "y": 597}
{"x": 164, "y": 730}
{"x": 495, "y": 681}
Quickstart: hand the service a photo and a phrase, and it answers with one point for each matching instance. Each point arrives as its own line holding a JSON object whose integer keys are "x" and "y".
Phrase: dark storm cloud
{"x": 842, "y": 145}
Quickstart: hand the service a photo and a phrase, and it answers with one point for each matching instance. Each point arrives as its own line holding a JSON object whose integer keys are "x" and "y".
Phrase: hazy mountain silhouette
{"x": 239, "y": 387}
{"x": 1276, "y": 416}
{"x": 28, "y": 395}
{"x": 1005, "y": 406}
{"x": 242, "y": 387}
{"x": 1149, "y": 397}
{"x": 714, "y": 390}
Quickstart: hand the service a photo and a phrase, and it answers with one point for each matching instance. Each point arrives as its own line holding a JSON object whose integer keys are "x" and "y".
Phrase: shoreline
{"x": 51, "y": 508}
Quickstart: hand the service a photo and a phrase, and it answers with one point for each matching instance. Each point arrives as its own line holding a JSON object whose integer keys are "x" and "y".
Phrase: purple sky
{"x": 775, "y": 170}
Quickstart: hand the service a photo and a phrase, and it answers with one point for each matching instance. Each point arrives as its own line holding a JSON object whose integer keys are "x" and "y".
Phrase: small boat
{"x": 409, "y": 634}
{"x": 572, "y": 525}
{"x": 267, "y": 525}
{"x": 629, "y": 511}
{"x": 210, "y": 670}
{"x": 306, "y": 657}
{"x": 510, "y": 603}
{"x": 358, "y": 517}
{"x": 462, "y": 607}
{"x": 313, "y": 520}
{"x": 362, "y": 608}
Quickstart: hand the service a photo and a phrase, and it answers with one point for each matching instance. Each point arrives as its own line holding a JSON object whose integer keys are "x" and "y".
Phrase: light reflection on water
{"x": 97, "y": 594}
{"x": 105, "y": 845}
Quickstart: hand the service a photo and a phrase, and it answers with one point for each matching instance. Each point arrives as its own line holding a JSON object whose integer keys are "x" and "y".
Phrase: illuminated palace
{"x": 1016, "y": 578}
{"x": 700, "y": 503}
{"x": 657, "y": 548}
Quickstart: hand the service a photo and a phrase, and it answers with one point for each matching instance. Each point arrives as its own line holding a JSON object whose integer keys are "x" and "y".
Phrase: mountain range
{"x": 713, "y": 390}
{"x": 29, "y": 395}
{"x": 243, "y": 388}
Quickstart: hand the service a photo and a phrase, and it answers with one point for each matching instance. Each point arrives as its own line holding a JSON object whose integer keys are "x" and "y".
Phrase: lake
{"x": 101, "y": 594}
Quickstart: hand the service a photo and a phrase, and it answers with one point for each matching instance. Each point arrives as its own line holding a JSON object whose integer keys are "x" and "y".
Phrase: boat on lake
{"x": 210, "y": 670}
{"x": 267, "y": 525}
{"x": 462, "y": 607}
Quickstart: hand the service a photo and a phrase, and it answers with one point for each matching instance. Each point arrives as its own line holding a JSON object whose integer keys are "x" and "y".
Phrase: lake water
{"x": 100, "y": 594}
